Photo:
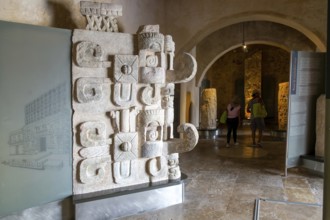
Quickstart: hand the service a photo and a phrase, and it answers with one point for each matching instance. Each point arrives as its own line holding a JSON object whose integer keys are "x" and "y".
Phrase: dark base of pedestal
{"x": 130, "y": 202}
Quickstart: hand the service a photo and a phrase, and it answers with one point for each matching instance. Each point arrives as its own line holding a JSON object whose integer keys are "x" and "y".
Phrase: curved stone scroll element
{"x": 101, "y": 16}
{"x": 189, "y": 141}
{"x": 89, "y": 54}
{"x": 152, "y": 59}
{"x": 93, "y": 133}
{"x": 124, "y": 94}
{"x": 93, "y": 170}
{"x": 173, "y": 166}
{"x": 151, "y": 94}
{"x": 184, "y": 70}
{"x": 157, "y": 166}
{"x": 126, "y": 69}
{"x": 125, "y": 171}
{"x": 125, "y": 146}
{"x": 89, "y": 89}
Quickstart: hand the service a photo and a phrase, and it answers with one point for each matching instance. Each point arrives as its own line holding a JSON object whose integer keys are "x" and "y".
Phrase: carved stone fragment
{"x": 99, "y": 151}
{"x": 168, "y": 106}
{"x": 209, "y": 109}
{"x": 169, "y": 49}
{"x": 151, "y": 94}
{"x": 151, "y": 41}
{"x": 125, "y": 171}
{"x": 173, "y": 166}
{"x": 152, "y": 149}
{"x": 126, "y": 69}
{"x": 101, "y": 16}
{"x": 125, "y": 146}
{"x": 124, "y": 109}
{"x": 124, "y": 94}
{"x": 157, "y": 167}
{"x": 186, "y": 66}
{"x": 90, "y": 89}
{"x": 92, "y": 170}
{"x": 90, "y": 54}
{"x": 152, "y": 75}
{"x": 93, "y": 133}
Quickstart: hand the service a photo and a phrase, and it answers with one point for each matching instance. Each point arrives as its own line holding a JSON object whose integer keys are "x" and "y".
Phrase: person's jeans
{"x": 232, "y": 125}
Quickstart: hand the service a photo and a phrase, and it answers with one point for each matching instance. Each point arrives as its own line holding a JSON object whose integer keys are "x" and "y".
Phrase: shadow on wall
{"x": 61, "y": 16}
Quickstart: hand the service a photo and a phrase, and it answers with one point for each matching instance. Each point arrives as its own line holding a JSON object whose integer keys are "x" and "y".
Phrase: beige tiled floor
{"x": 223, "y": 183}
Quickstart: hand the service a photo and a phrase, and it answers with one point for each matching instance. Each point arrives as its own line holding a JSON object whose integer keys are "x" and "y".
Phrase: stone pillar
{"x": 252, "y": 76}
{"x": 283, "y": 97}
{"x": 209, "y": 109}
{"x": 320, "y": 126}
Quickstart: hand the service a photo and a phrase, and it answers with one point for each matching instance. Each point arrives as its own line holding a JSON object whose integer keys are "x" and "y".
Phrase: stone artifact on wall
{"x": 209, "y": 109}
{"x": 123, "y": 92}
{"x": 283, "y": 100}
{"x": 252, "y": 76}
{"x": 320, "y": 126}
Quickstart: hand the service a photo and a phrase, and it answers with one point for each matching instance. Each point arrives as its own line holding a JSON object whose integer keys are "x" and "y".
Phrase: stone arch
{"x": 274, "y": 17}
{"x": 221, "y": 41}
{"x": 291, "y": 24}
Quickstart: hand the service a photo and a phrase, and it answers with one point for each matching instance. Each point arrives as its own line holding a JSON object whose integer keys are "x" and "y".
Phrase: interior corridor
{"x": 224, "y": 183}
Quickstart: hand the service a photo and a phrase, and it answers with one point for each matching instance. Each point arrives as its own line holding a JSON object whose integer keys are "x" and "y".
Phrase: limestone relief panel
{"x": 283, "y": 105}
{"x": 123, "y": 95}
{"x": 209, "y": 109}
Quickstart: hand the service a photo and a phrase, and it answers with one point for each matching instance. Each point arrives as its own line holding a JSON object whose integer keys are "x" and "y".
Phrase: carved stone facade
{"x": 123, "y": 91}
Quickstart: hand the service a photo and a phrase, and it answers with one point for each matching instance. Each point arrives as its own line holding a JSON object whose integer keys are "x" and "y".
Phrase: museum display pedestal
{"x": 209, "y": 133}
{"x": 313, "y": 163}
{"x": 278, "y": 134}
{"x": 129, "y": 202}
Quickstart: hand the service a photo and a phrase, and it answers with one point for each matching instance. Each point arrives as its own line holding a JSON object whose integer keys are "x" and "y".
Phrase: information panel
{"x": 306, "y": 85}
{"x": 35, "y": 116}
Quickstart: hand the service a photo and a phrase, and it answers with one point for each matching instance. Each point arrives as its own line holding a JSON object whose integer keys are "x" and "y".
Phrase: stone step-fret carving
{"x": 101, "y": 16}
